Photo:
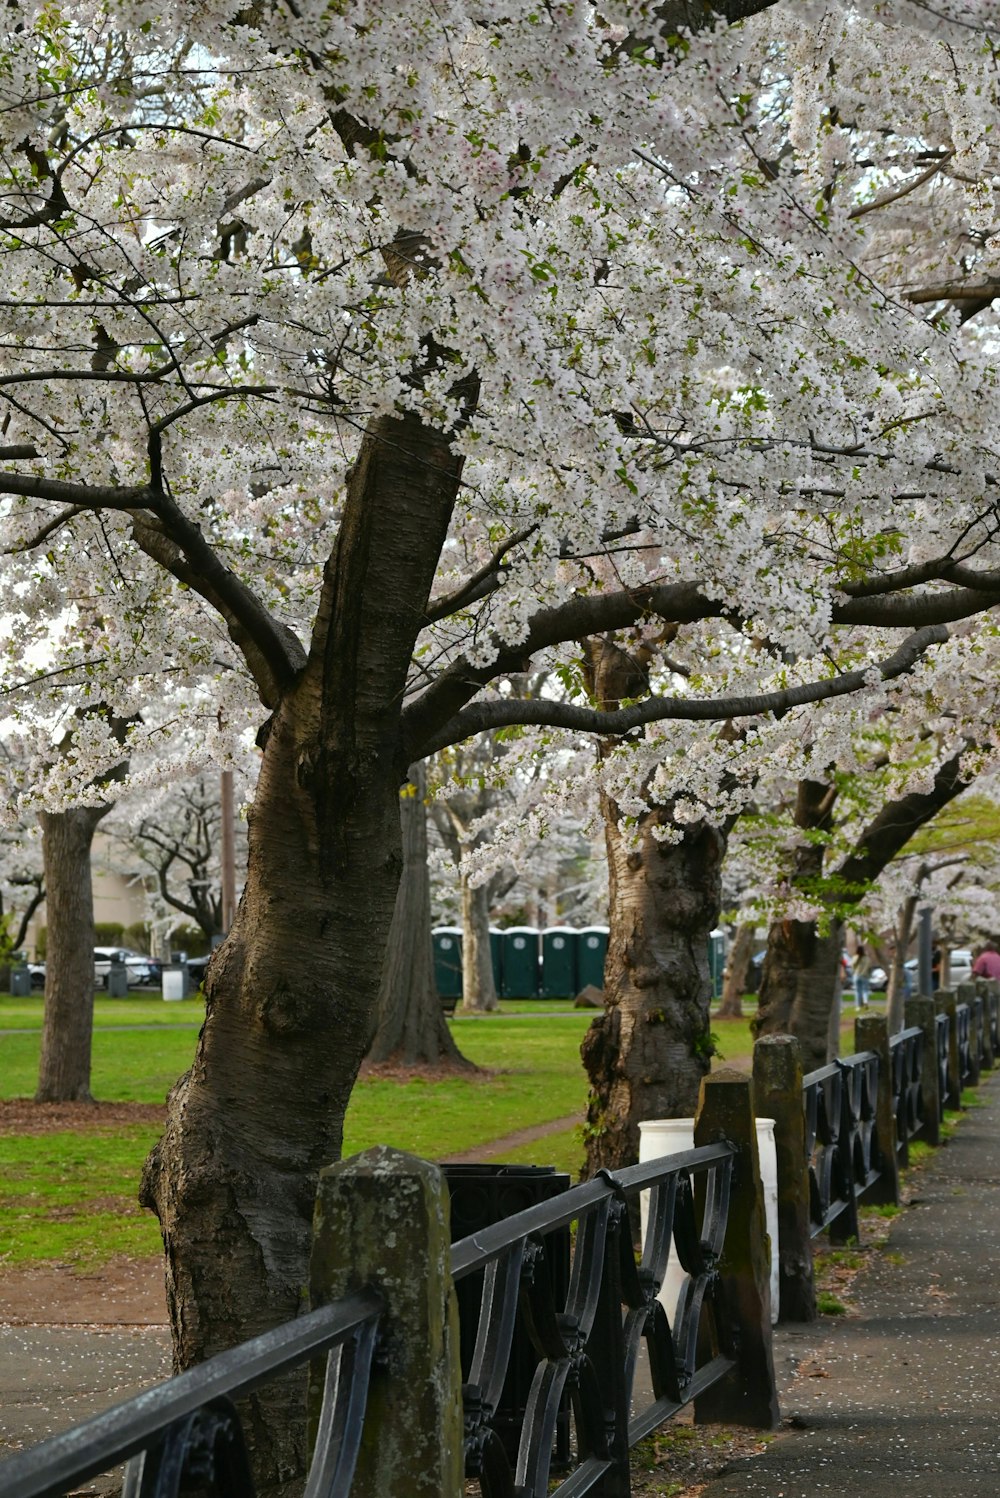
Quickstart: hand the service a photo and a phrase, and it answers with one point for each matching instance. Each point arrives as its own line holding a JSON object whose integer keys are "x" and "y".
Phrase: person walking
{"x": 862, "y": 969}
{"x": 987, "y": 964}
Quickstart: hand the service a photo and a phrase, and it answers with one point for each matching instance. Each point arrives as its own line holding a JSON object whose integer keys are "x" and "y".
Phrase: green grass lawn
{"x": 70, "y": 1195}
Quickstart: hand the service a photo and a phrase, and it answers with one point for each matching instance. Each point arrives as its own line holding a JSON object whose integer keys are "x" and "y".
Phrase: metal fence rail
{"x": 190, "y": 1421}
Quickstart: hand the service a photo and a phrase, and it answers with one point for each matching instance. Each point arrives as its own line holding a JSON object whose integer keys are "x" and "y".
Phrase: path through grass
{"x": 70, "y": 1195}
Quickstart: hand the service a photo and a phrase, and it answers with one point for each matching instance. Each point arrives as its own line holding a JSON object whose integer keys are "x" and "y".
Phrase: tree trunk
{"x": 411, "y": 1025}
{"x": 64, "y": 1069}
{"x": 262, "y": 1109}
{"x": 479, "y": 990}
{"x": 798, "y": 986}
{"x": 647, "y": 1053}
{"x": 734, "y": 978}
{"x": 896, "y": 994}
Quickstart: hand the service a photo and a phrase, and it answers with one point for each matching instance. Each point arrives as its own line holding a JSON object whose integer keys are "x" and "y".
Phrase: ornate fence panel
{"x": 840, "y": 1112}
{"x": 963, "y": 1023}
{"x": 189, "y": 1427}
{"x": 942, "y": 1031}
{"x": 907, "y": 1051}
{"x": 587, "y": 1354}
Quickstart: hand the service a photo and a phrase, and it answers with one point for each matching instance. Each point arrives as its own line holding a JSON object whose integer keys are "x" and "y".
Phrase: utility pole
{"x": 228, "y": 852}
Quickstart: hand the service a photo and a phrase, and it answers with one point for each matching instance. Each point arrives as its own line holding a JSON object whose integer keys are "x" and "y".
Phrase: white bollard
{"x": 672, "y": 1136}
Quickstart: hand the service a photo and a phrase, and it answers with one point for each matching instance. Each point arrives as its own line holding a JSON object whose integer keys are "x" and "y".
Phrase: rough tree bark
{"x": 479, "y": 990}
{"x": 262, "y": 1108}
{"x": 734, "y": 978}
{"x": 411, "y": 1027}
{"x": 646, "y": 1054}
{"x": 64, "y": 1069}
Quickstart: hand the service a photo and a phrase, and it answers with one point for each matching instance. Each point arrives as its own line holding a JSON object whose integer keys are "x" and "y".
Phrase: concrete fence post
{"x": 382, "y": 1220}
{"x": 747, "y": 1395}
{"x": 921, "y": 1014}
{"x": 946, "y": 1003}
{"x": 871, "y": 1033}
{"x": 965, "y": 993}
{"x": 777, "y": 1091}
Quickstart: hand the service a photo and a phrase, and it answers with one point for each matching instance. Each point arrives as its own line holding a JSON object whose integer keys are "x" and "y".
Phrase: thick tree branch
{"x": 160, "y": 528}
{"x": 509, "y": 712}
{"x": 574, "y": 620}
{"x": 896, "y": 823}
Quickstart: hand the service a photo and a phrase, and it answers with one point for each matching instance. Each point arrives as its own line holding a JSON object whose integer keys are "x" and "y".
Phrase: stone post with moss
{"x": 777, "y": 1091}
{"x": 382, "y": 1220}
{"x": 747, "y": 1395}
{"x": 871, "y": 1033}
{"x": 920, "y": 1013}
{"x": 946, "y": 1003}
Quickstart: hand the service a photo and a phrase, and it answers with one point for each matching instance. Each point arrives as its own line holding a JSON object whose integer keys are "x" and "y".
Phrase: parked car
{"x": 139, "y": 968}
{"x": 37, "y": 972}
{"x": 959, "y": 967}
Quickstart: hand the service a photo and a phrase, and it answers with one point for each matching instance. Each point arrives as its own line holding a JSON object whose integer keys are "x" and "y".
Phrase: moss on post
{"x": 747, "y": 1394}
{"x": 871, "y": 1033}
{"x": 777, "y": 1091}
{"x": 920, "y": 1013}
{"x": 382, "y": 1220}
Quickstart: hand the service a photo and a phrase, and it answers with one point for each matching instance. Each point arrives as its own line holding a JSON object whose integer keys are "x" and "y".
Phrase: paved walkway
{"x": 901, "y": 1399}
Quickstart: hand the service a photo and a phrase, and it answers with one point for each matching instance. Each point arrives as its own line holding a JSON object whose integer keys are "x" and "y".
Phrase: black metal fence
{"x": 843, "y": 1160}
{"x": 586, "y": 1340}
{"x": 189, "y": 1428}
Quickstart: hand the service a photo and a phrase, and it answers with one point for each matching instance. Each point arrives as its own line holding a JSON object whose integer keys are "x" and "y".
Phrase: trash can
{"x": 591, "y": 950}
{"x": 559, "y": 964}
{"x": 116, "y": 981}
{"x": 447, "y": 944}
{"x": 520, "y": 962}
{"x": 20, "y": 981}
{"x": 174, "y": 981}
{"x": 482, "y": 1195}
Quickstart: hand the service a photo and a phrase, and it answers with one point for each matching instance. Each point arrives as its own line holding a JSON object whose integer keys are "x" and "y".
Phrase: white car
{"x": 139, "y": 968}
{"x": 959, "y": 967}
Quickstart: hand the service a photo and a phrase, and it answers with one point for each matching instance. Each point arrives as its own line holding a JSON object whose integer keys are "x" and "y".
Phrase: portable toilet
{"x": 496, "y": 953}
{"x": 592, "y": 946}
{"x": 520, "y": 962}
{"x": 559, "y": 944}
{"x": 717, "y": 960}
{"x": 447, "y": 944}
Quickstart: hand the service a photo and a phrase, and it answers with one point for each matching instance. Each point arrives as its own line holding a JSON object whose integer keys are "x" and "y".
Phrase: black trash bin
{"x": 482, "y": 1195}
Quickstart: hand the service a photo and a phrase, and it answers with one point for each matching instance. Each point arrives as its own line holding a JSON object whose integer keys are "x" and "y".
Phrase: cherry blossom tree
{"x": 352, "y": 360}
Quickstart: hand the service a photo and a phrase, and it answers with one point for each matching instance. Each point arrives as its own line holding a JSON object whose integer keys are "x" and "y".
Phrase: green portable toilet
{"x": 447, "y": 944}
{"x": 717, "y": 960}
{"x": 592, "y": 946}
{"x": 496, "y": 953}
{"x": 520, "y": 962}
{"x": 559, "y": 944}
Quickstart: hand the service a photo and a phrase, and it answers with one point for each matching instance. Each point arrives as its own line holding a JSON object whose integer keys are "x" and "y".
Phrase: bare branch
{"x": 479, "y": 584}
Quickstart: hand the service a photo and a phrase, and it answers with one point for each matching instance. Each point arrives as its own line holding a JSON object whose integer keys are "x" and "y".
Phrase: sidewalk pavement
{"x": 901, "y": 1398}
